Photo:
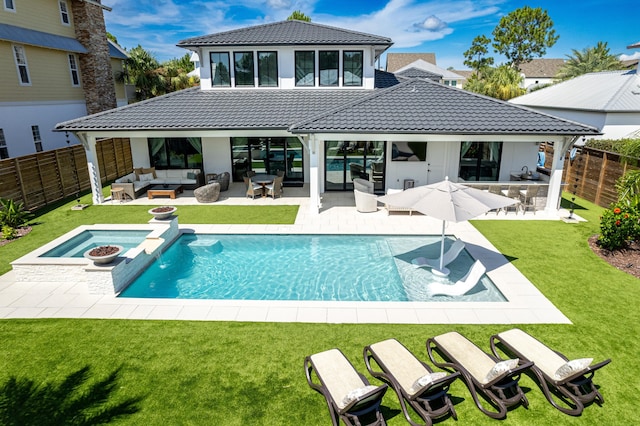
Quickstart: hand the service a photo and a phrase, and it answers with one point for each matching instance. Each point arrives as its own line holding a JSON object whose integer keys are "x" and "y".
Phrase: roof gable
{"x": 429, "y": 67}
{"x": 423, "y": 106}
{"x": 546, "y": 68}
{"x": 396, "y": 61}
{"x": 419, "y": 73}
{"x": 290, "y": 32}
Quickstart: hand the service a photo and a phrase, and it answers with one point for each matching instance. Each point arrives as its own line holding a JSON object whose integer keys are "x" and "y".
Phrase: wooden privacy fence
{"x": 592, "y": 173}
{"x": 46, "y": 177}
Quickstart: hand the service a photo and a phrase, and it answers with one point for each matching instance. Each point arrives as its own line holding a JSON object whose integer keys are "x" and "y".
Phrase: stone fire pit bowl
{"x": 163, "y": 212}
{"x": 103, "y": 254}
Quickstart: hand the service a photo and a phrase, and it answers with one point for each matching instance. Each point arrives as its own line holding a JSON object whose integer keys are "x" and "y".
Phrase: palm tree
{"x": 590, "y": 59}
{"x": 503, "y": 82}
{"x": 142, "y": 71}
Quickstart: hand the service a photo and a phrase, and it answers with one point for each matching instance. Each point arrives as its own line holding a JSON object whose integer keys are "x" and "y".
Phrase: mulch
{"x": 627, "y": 260}
{"x": 20, "y": 232}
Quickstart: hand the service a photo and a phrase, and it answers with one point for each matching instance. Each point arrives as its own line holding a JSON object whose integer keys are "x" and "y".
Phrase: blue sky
{"x": 444, "y": 27}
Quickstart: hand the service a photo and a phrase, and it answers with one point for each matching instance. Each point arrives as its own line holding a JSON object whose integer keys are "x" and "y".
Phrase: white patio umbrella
{"x": 449, "y": 202}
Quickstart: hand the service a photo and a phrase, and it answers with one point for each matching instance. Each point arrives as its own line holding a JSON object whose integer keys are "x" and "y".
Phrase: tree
{"x": 475, "y": 58}
{"x": 298, "y": 16}
{"x": 141, "y": 70}
{"x": 503, "y": 82}
{"x": 524, "y": 34}
{"x": 590, "y": 59}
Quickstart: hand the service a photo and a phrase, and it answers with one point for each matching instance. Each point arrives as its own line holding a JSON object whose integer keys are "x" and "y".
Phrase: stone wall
{"x": 97, "y": 77}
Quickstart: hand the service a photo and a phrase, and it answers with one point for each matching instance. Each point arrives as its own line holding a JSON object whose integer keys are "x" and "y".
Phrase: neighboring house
{"x": 306, "y": 99}
{"x": 608, "y": 101}
{"x": 396, "y": 61}
{"x": 448, "y": 78}
{"x": 538, "y": 72}
{"x": 56, "y": 64}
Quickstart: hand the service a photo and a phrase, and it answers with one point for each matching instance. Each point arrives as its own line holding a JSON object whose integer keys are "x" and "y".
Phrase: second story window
{"x": 9, "y": 5}
{"x": 64, "y": 13}
{"x": 37, "y": 140}
{"x": 268, "y": 69}
{"x": 220, "y": 76}
{"x": 4, "y": 152}
{"x": 243, "y": 68}
{"x": 73, "y": 68}
{"x": 328, "y": 64}
{"x": 352, "y": 68}
{"x": 21, "y": 63}
{"x": 305, "y": 68}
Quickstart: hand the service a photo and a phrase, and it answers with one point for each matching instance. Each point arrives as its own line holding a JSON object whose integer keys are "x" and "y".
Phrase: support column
{"x": 314, "y": 177}
{"x": 89, "y": 144}
{"x": 555, "y": 181}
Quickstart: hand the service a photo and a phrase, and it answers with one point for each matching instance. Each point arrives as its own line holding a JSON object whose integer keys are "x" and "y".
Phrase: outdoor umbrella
{"x": 449, "y": 202}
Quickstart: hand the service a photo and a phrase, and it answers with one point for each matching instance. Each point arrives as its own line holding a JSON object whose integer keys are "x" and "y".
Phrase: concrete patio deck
{"x": 337, "y": 216}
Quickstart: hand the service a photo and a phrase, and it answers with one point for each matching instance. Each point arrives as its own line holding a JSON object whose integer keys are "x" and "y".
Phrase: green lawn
{"x": 232, "y": 373}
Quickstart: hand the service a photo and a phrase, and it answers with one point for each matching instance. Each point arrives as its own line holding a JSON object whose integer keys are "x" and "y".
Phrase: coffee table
{"x": 164, "y": 190}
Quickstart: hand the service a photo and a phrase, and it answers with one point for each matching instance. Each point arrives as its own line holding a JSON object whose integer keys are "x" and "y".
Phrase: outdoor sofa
{"x": 137, "y": 182}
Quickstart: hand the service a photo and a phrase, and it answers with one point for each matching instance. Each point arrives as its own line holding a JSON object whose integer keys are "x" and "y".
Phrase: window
{"x": 4, "y": 152}
{"x": 64, "y": 13}
{"x": 480, "y": 161}
{"x": 352, "y": 68}
{"x": 21, "y": 64}
{"x": 268, "y": 69}
{"x": 328, "y": 64}
{"x": 175, "y": 153}
{"x": 243, "y": 67}
{"x": 451, "y": 83}
{"x": 9, "y": 5}
{"x": 73, "y": 67}
{"x": 305, "y": 68}
{"x": 37, "y": 140}
{"x": 220, "y": 69}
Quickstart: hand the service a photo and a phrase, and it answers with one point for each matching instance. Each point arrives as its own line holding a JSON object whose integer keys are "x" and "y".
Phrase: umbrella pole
{"x": 442, "y": 248}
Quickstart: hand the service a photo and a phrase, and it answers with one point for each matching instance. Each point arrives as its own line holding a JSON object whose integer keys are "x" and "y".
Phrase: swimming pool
{"x": 77, "y": 245}
{"x": 301, "y": 267}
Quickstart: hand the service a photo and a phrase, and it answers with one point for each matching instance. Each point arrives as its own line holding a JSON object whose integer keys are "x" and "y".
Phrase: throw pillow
{"x": 191, "y": 175}
{"x": 571, "y": 367}
{"x": 151, "y": 170}
{"x": 356, "y": 393}
{"x": 146, "y": 177}
{"x": 500, "y": 368}
{"x": 425, "y": 381}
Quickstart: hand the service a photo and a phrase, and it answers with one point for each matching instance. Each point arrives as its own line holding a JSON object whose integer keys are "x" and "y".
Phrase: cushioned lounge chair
{"x": 482, "y": 373}
{"x": 574, "y": 388}
{"x": 462, "y": 286}
{"x": 448, "y": 257}
{"x": 348, "y": 393}
{"x": 412, "y": 380}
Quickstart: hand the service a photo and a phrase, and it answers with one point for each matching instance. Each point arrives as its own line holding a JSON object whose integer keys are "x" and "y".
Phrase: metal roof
{"x": 291, "y": 32}
{"x": 116, "y": 51}
{"x": 40, "y": 39}
{"x": 606, "y": 91}
{"x": 423, "y": 106}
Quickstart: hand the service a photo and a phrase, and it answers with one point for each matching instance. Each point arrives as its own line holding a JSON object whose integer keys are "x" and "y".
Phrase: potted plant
{"x": 163, "y": 212}
{"x": 103, "y": 254}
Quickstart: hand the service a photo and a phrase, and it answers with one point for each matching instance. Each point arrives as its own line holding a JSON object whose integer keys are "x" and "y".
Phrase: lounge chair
{"x": 462, "y": 286}
{"x": 349, "y": 394}
{"x": 496, "y": 380}
{"x": 412, "y": 380}
{"x": 574, "y": 388}
{"x": 448, "y": 257}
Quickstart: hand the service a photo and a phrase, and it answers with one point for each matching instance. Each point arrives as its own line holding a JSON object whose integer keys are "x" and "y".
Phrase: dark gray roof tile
{"x": 419, "y": 73}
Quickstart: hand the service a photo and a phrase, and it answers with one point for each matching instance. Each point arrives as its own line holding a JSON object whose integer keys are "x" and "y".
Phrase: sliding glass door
{"x": 268, "y": 155}
{"x": 348, "y": 160}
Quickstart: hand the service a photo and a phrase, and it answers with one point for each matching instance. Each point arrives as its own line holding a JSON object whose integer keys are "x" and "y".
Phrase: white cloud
{"x": 279, "y": 4}
{"x": 432, "y": 23}
{"x": 636, "y": 55}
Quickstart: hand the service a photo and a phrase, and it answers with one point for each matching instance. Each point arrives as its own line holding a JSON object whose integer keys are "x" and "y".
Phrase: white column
{"x": 314, "y": 177}
{"x": 555, "y": 181}
{"x": 89, "y": 144}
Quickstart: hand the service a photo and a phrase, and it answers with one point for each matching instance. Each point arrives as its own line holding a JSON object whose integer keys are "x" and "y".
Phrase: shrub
{"x": 13, "y": 214}
{"x": 618, "y": 225}
{"x": 9, "y": 233}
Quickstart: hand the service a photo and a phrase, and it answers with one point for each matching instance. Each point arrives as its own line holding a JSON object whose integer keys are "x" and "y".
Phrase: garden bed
{"x": 627, "y": 260}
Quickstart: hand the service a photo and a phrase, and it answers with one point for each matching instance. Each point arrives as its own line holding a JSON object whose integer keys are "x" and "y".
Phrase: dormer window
{"x": 268, "y": 69}
{"x": 305, "y": 68}
{"x": 352, "y": 64}
{"x": 329, "y": 64}
{"x": 220, "y": 76}
{"x": 243, "y": 68}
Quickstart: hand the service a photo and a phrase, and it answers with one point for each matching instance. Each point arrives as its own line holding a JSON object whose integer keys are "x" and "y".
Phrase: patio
{"x": 337, "y": 216}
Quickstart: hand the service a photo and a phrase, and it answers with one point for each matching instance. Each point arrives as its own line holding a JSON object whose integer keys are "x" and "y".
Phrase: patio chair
{"x": 495, "y": 189}
{"x": 275, "y": 189}
{"x": 572, "y": 385}
{"x": 513, "y": 192}
{"x": 528, "y": 198}
{"x": 348, "y": 393}
{"x": 494, "y": 379}
{"x": 253, "y": 189}
{"x": 414, "y": 382}
{"x": 462, "y": 286}
{"x": 449, "y": 256}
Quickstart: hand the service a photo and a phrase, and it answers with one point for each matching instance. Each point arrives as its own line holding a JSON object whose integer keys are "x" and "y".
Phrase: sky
{"x": 443, "y": 27}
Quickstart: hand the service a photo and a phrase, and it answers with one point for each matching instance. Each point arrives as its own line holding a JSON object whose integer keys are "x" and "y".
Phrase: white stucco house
{"x": 306, "y": 98}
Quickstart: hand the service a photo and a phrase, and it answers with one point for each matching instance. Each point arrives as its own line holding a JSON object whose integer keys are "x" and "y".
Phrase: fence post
{"x": 601, "y": 177}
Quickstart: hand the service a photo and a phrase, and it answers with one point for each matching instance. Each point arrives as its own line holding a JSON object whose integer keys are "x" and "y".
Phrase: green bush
{"x": 13, "y": 214}
{"x": 618, "y": 226}
{"x": 8, "y": 233}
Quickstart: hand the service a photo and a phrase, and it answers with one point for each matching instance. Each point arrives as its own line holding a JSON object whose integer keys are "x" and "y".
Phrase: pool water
{"x": 88, "y": 239}
{"x": 301, "y": 267}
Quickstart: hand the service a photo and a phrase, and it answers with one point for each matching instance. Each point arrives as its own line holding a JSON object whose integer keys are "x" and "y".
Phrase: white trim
{"x": 74, "y": 69}
{"x": 19, "y": 49}
{"x": 64, "y": 11}
{"x": 9, "y": 9}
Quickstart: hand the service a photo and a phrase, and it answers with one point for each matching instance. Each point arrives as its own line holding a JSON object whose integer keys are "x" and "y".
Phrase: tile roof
{"x": 605, "y": 91}
{"x": 427, "y": 66}
{"x": 634, "y": 45}
{"x": 290, "y": 32}
{"x": 395, "y": 61}
{"x": 419, "y": 73}
{"x": 385, "y": 79}
{"x": 423, "y": 106}
{"x": 40, "y": 39}
{"x": 547, "y": 68}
